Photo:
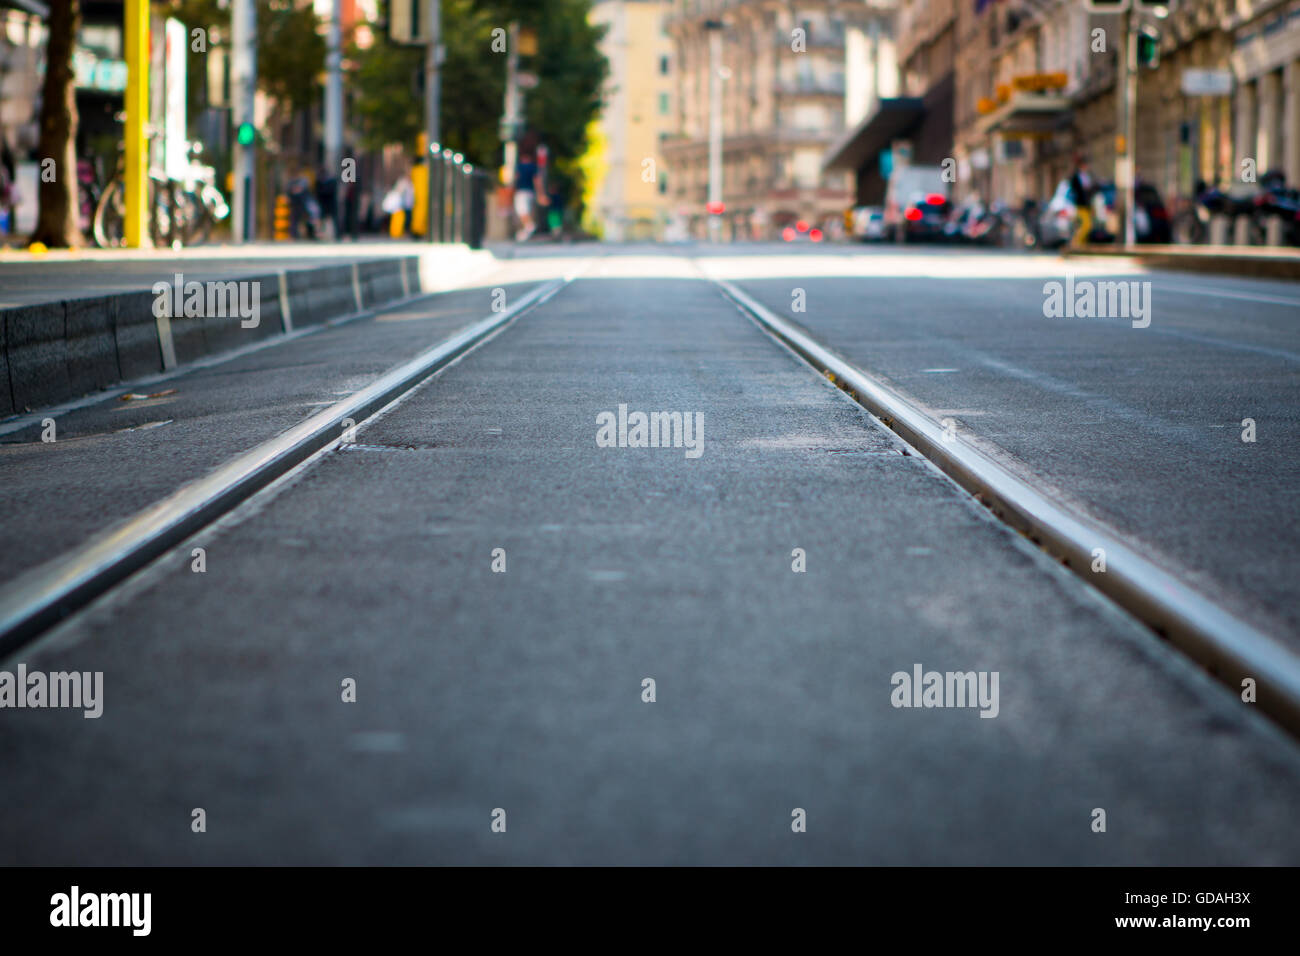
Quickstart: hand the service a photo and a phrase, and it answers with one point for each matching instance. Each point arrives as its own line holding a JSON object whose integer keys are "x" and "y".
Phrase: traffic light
{"x": 408, "y": 22}
{"x": 246, "y": 135}
{"x": 1107, "y": 6}
{"x": 1157, "y": 8}
{"x": 1148, "y": 47}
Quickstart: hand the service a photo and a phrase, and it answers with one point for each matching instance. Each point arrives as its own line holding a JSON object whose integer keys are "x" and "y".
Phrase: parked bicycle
{"x": 181, "y": 212}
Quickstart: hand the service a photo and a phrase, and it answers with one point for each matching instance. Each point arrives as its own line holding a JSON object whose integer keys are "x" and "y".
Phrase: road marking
{"x": 1223, "y": 294}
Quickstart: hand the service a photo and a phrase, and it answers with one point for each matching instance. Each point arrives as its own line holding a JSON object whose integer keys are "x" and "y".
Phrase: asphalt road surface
{"x": 518, "y": 694}
{"x": 1140, "y": 427}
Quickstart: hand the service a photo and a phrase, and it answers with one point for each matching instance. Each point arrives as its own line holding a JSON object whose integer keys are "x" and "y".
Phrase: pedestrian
{"x": 303, "y": 208}
{"x": 1082, "y": 189}
{"x": 530, "y": 190}
{"x": 400, "y": 199}
{"x": 327, "y": 198}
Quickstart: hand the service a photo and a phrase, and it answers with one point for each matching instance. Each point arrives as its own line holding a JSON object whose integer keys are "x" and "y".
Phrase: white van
{"x": 916, "y": 203}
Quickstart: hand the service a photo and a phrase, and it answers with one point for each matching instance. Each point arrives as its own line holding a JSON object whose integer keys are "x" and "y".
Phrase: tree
{"x": 290, "y": 53}
{"x": 290, "y": 47}
{"x": 571, "y": 72}
{"x": 569, "y": 65}
{"x": 57, "y": 219}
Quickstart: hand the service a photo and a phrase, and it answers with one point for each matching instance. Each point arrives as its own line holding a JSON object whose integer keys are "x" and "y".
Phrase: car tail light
{"x": 913, "y": 214}
{"x": 801, "y": 226}
{"x": 787, "y": 234}
{"x": 935, "y": 199}
{"x": 815, "y": 235}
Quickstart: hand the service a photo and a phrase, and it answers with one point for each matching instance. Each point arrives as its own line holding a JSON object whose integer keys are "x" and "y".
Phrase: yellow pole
{"x": 137, "y": 113}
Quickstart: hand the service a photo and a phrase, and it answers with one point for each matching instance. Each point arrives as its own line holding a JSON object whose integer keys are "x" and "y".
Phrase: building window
{"x": 663, "y": 66}
{"x": 664, "y": 104}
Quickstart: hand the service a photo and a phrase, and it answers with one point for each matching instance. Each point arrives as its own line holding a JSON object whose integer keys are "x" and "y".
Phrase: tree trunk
{"x": 57, "y": 223}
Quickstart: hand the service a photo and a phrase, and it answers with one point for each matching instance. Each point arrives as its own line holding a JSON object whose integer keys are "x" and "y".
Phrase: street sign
{"x": 1207, "y": 82}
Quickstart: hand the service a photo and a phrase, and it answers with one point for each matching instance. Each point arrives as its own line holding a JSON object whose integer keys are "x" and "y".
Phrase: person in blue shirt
{"x": 530, "y": 190}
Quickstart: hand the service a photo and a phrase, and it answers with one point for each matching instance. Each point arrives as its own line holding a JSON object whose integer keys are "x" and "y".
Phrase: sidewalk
{"x": 74, "y": 322}
{"x": 1261, "y": 262}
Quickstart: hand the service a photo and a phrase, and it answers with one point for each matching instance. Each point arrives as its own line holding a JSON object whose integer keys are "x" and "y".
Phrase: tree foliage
{"x": 290, "y": 47}
{"x": 570, "y": 68}
{"x": 290, "y": 52}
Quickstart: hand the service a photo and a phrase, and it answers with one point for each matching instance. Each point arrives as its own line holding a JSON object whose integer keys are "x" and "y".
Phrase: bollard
{"x": 1273, "y": 231}
{"x": 448, "y": 206}
{"x": 1218, "y": 229}
{"x": 281, "y": 218}
{"x": 420, "y": 195}
{"x": 437, "y": 171}
{"x": 466, "y": 178}
{"x": 1241, "y": 231}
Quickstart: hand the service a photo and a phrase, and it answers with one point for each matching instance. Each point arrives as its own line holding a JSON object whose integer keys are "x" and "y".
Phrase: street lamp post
{"x": 432, "y": 105}
{"x": 334, "y": 107}
{"x": 714, "y": 28}
{"x": 244, "y": 80}
{"x": 1129, "y": 184}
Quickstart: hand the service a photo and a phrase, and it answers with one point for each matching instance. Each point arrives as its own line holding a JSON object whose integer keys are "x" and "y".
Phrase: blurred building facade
{"x": 1033, "y": 84}
{"x": 631, "y": 201}
{"x": 794, "y": 73}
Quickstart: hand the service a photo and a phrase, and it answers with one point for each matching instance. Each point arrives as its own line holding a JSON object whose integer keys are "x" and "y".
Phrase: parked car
{"x": 802, "y": 231}
{"x": 1275, "y": 201}
{"x": 916, "y": 203}
{"x": 869, "y": 223}
{"x": 1152, "y": 222}
{"x": 962, "y": 216}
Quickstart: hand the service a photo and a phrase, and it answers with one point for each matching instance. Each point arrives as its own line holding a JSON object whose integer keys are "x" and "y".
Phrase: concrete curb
{"x": 1222, "y": 260}
{"x": 55, "y": 351}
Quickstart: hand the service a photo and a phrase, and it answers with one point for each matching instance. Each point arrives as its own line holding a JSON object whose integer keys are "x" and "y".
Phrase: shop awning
{"x": 890, "y": 120}
{"x": 1027, "y": 114}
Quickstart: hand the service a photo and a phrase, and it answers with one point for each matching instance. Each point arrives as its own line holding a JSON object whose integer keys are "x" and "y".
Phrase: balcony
{"x": 810, "y": 86}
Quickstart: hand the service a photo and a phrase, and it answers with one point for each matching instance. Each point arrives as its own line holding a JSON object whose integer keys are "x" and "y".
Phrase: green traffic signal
{"x": 1148, "y": 48}
{"x": 246, "y": 135}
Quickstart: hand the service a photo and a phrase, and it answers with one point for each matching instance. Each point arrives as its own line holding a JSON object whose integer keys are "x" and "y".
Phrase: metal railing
{"x": 458, "y": 194}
